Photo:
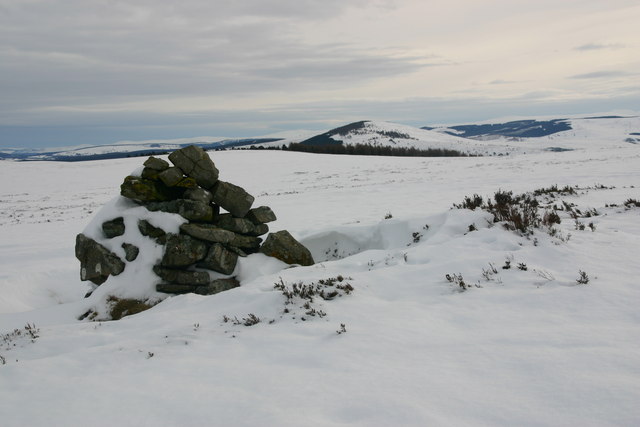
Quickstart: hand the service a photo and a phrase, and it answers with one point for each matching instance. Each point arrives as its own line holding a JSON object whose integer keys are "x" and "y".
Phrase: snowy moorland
{"x": 440, "y": 316}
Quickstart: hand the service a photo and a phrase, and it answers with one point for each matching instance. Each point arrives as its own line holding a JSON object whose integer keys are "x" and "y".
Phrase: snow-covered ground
{"x": 405, "y": 347}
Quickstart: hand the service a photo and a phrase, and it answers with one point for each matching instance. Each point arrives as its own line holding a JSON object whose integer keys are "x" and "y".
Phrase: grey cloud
{"x": 599, "y": 46}
{"x": 56, "y": 53}
{"x": 502, "y": 82}
{"x": 600, "y": 75}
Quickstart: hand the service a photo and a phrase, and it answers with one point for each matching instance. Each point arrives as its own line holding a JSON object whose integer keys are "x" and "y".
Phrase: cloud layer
{"x": 124, "y": 68}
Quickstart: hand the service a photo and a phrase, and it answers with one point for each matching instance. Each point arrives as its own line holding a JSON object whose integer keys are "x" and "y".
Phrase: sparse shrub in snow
{"x": 29, "y": 332}
{"x": 507, "y": 262}
{"x": 490, "y": 272}
{"x": 632, "y": 203}
{"x": 12, "y": 339}
{"x": 250, "y": 320}
{"x": 302, "y": 296}
{"x": 519, "y": 212}
{"x": 553, "y": 190}
{"x": 550, "y": 217}
{"x": 458, "y": 280}
{"x": 583, "y": 278}
{"x": 470, "y": 202}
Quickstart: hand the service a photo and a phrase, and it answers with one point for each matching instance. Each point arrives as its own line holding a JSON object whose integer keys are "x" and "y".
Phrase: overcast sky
{"x": 100, "y": 71}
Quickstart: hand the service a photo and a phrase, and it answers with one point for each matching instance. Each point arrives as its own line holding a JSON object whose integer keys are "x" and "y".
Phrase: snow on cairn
{"x": 165, "y": 234}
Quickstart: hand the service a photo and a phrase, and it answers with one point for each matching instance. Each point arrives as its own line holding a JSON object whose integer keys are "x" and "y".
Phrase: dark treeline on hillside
{"x": 373, "y": 150}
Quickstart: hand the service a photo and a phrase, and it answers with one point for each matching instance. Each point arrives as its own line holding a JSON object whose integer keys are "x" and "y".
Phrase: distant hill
{"x": 525, "y": 135}
{"x": 128, "y": 149}
{"x": 386, "y": 134}
{"x": 518, "y": 128}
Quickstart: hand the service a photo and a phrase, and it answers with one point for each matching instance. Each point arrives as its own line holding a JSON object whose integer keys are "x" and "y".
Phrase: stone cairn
{"x": 208, "y": 241}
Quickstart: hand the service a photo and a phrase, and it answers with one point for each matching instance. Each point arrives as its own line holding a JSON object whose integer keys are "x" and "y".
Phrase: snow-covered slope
{"x": 377, "y": 133}
{"x": 527, "y": 346}
{"x": 574, "y": 133}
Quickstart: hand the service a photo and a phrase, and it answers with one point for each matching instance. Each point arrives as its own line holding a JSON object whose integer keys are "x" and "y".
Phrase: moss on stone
{"x": 121, "y": 307}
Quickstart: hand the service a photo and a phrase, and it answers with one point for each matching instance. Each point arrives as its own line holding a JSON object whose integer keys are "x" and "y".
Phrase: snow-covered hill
{"x": 527, "y": 345}
{"x": 604, "y": 131}
{"x": 496, "y": 137}
{"x": 378, "y": 133}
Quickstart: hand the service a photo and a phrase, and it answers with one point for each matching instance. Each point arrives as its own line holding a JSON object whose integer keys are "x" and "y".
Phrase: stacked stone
{"x": 209, "y": 240}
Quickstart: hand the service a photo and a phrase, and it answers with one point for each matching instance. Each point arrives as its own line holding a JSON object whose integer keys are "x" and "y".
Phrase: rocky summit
{"x": 199, "y": 256}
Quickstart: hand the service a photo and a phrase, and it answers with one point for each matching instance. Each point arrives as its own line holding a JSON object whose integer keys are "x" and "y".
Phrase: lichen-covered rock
{"x": 97, "y": 263}
{"x": 182, "y": 277}
{"x": 195, "y": 162}
{"x": 214, "y": 287}
{"x": 199, "y": 195}
{"x": 187, "y": 183}
{"x": 171, "y": 176}
{"x": 217, "y": 286}
{"x": 232, "y": 198}
{"x": 188, "y": 209}
{"x": 146, "y": 190}
{"x": 146, "y": 229}
{"x": 238, "y": 251}
{"x": 261, "y": 215}
{"x": 113, "y": 228}
{"x": 152, "y": 174}
{"x": 121, "y": 307}
{"x": 283, "y": 246}
{"x": 248, "y": 244}
{"x": 173, "y": 288}
{"x": 131, "y": 252}
{"x": 219, "y": 259}
{"x": 182, "y": 250}
{"x": 208, "y": 232}
{"x": 241, "y": 225}
{"x": 156, "y": 164}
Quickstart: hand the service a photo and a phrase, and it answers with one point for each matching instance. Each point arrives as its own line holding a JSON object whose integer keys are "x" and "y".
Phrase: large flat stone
{"x": 216, "y": 286}
{"x": 283, "y": 246}
{"x": 232, "y": 198}
{"x": 182, "y": 250}
{"x": 182, "y": 277}
{"x": 97, "y": 263}
{"x": 241, "y": 225}
{"x": 172, "y": 288}
{"x": 156, "y": 164}
{"x": 246, "y": 243}
{"x": 146, "y": 190}
{"x": 199, "y": 194}
{"x": 261, "y": 215}
{"x": 146, "y": 229}
{"x": 219, "y": 259}
{"x": 208, "y": 232}
{"x": 188, "y": 209}
{"x": 195, "y": 162}
{"x": 171, "y": 176}
{"x": 113, "y": 228}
